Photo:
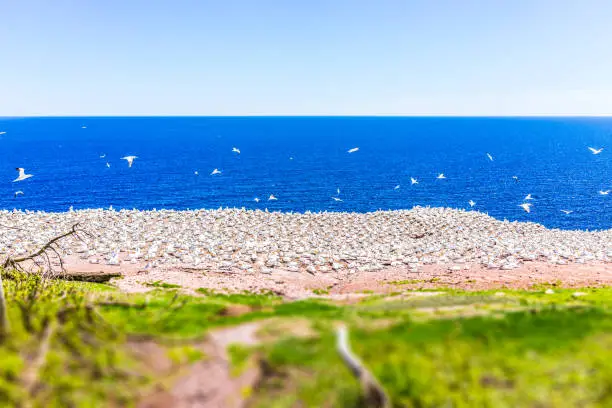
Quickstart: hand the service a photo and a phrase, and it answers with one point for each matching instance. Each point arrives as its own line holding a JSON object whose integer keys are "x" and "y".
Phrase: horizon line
{"x": 609, "y": 115}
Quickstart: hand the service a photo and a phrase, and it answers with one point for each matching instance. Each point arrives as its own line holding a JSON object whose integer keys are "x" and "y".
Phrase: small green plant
{"x": 163, "y": 285}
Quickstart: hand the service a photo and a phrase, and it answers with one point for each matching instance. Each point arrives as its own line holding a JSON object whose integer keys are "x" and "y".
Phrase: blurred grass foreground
{"x": 69, "y": 344}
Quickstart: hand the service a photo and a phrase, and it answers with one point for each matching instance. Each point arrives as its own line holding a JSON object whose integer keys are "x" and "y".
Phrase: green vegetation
{"x": 163, "y": 285}
{"x": 73, "y": 344}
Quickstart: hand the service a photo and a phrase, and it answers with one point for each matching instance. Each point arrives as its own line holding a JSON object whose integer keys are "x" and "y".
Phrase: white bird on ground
{"x": 413, "y": 181}
{"x": 71, "y": 208}
{"x": 236, "y": 150}
{"x": 103, "y": 155}
{"x": 596, "y": 151}
{"x": 272, "y": 198}
{"x": 129, "y": 159}
{"x": 336, "y": 199}
{"x": 107, "y": 164}
{"x": 22, "y": 175}
{"x": 396, "y": 187}
{"x": 256, "y": 199}
{"x": 566, "y": 212}
{"x": 215, "y": 171}
{"x": 472, "y": 203}
{"x": 489, "y": 156}
{"x": 441, "y": 176}
{"x": 18, "y": 193}
{"x": 353, "y": 150}
{"x": 526, "y": 206}
{"x": 528, "y": 197}
{"x": 606, "y": 192}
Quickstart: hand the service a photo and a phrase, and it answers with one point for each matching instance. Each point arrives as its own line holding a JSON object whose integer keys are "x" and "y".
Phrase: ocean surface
{"x": 304, "y": 160}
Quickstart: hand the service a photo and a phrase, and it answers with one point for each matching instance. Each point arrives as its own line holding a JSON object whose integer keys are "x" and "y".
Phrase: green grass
{"x": 163, "y": 285}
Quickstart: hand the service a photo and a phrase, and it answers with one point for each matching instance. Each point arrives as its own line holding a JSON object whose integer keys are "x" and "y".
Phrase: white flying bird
{"x": 396, "y": 187}
{"x": 236, "y": 150}
{"x": 441, "y": 176}
{"x": 515, "y": 178}
{"x": 83, "y": 127}
{"x": 528, "y": 197}
{"x": 606, "y": 192}
{"x": 272, "y": 198}
{"x": 18, "y": 193}
{"x": 129, "y": 159}
{"x": 2, "y": 133}
{"x": 256, "y": 199}
{"x": 353, "y": 150}
{"x": 472, "y": 203}
{"x": 336, "y": 199}
{"x": 196, "y": 173}
{"x": 108, "y": 164}
{"x": 413, "y": 181}
{"x": 595, "y": 151}
{"x": 489, "y": 156}
{"x": 22, "y": 175}
{"x": 103, "y": 155}
{"x": 215, "y": 171}
{"x": 566, "y": 212}
{"x": 526, "y": 206}
{"x": 337, "y": 191}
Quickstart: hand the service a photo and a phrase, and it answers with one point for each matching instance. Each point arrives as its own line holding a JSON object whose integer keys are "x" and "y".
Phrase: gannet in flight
{"x": 338, "y": 191}
{"x": 215, "y": 171}
{"x": 596, "y": 151}
{"x": 130, "y": 159}
{"x": 272, "y": 198}
{"x": 441, "y": 176}
{"x": 2, "y": 133}
{"x": 396, "y": 187}
{"x": 236, "y": 150}
{"x": 196, "y": 173}
{"x": 336, "y": 199}
{"x": 528, "y": 197}
{"x": 413, "y": 181}
{"x": 107, "y": 164}
{"x": 353, "y": 150}
{"x": 526, "y": 206}
{"x": 103, "y": 155}
{"x": 22, "y": 175}
{"x": 606, "y": 192}
{"x": 18, "y": 193}
{"x": 489, "y": 156}
{"x": 472, "y": 203}
{"x": 567, "y": 211}
{"x": 516, "y": 179}
{"x": 256, "y": 199}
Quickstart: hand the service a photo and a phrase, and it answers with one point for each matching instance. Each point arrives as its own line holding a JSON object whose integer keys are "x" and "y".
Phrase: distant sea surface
{"x": 304, "y": 160}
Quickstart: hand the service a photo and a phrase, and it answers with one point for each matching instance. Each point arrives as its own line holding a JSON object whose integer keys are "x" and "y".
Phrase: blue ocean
{"x": 303, "y": 161}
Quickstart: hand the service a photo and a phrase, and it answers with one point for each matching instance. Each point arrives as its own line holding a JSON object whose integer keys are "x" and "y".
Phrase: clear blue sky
{"x": 315, "y": 57}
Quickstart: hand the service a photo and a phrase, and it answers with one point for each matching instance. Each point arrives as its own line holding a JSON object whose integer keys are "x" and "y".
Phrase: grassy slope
{"x": 449, "y": 349}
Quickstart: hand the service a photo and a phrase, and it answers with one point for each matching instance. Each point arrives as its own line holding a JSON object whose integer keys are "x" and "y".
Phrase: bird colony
{"x": 260, "y": 241}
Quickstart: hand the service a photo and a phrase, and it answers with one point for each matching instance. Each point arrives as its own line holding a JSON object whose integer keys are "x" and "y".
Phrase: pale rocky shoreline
{"x": 314, "y": 243}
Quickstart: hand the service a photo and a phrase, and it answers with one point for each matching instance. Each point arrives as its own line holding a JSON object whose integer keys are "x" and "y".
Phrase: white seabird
{"x": 566, "y": 212}
{"x": 413, "y": 181}
{"x": 441, "y": 176}
{"x": 596, "y": 151}
{"x": 336, "y": 199}
{"x": 18, "y": 193}
{"x": 528, "y": 197}
{"x": 107, "y": 164}
{"x": 103, "y": 155}
{"x": 338, "y": 191}
{"x": 2, "y": 133}
{"x": 472, "y": 203}
{"x": 272, "y": 198}
{"x": 604, "y": 192}
{"x": 489, "y": 156}
{"x": 256, "y": 199}
{"x": 215, "y": 171}
{"x": 515, "y": 178}
{"x": 196, "y": 173}
{"x": 22, "y": 175}
{"x": 236, "y": 150}
{"x": 526, "y": 206}
{"x": 130, "y": 159}
{"x": 396, "y": 187}
{"x": 353, "y": 150}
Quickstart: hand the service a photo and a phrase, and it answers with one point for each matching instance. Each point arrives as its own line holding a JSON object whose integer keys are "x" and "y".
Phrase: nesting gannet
{"x": 236, "y": 150}
{"x": 489, "y": 156}
{"x": 130, "y": 159}
{"x": 353, "y": 150}
{"x": 441, "y": 176}
{"x": 596, "y": 151}
{"x": 22, "y": 175}
{"x": 272, "y": 198}
{"x": 526, "y": 206}
{"x": 215, "y": 171}
{"x": 413, "y": 181}
{"x": 472, "y": 203}
{"x": 567, "y": 211}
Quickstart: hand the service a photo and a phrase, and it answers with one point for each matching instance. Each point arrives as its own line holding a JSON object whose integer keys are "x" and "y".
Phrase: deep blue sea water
{"x": 549, "y": 155}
